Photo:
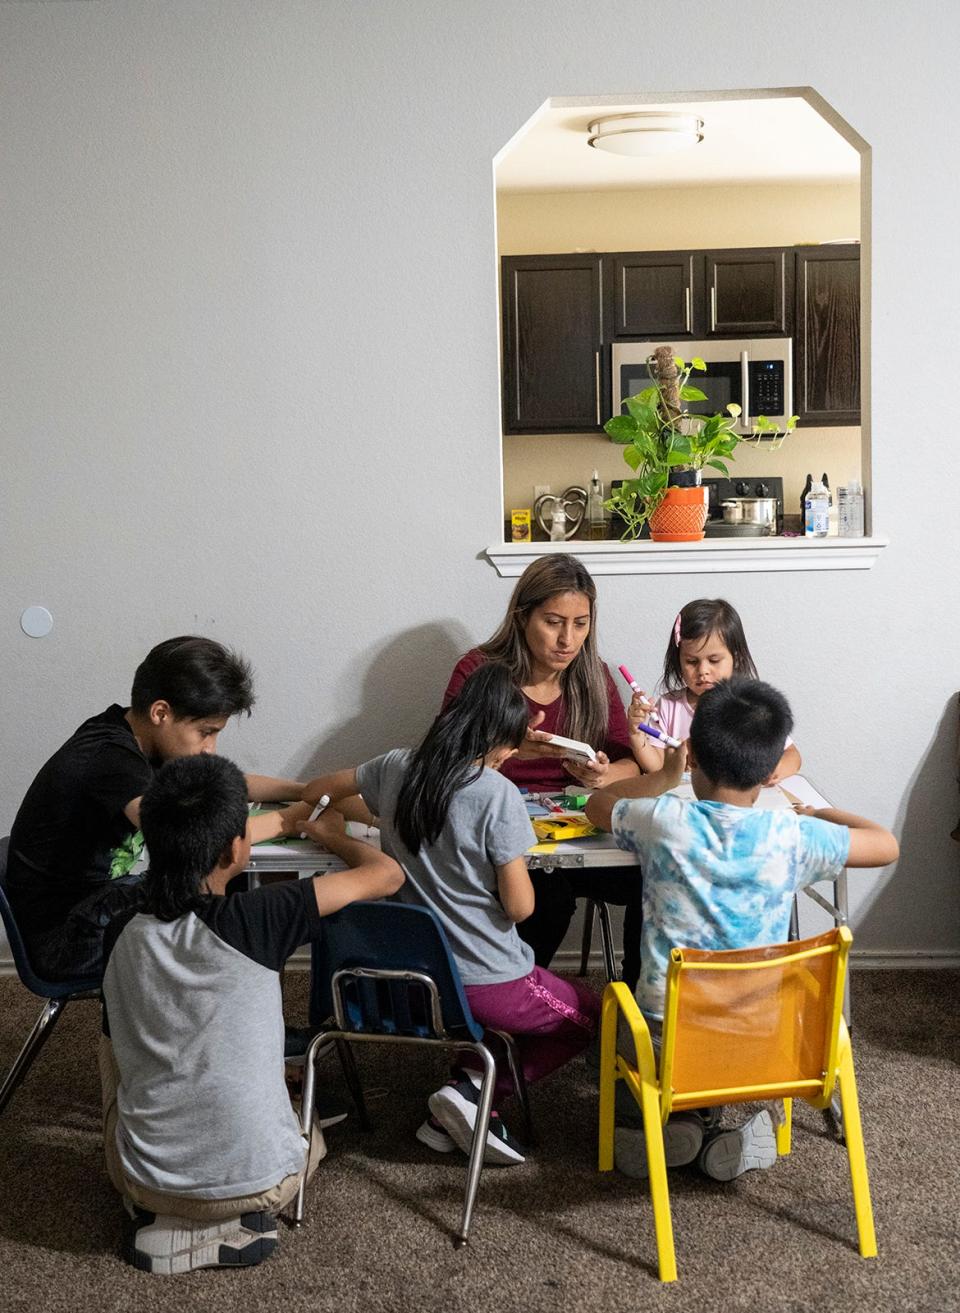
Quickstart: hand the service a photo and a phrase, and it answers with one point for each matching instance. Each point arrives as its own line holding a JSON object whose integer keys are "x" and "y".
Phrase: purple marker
{"x": 655, "y": 733}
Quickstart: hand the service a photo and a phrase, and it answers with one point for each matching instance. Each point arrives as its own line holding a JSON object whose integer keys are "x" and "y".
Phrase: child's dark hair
{"x": 739, "y": 731}
{"x": 697, "y": 621}
{"x": 190, "y": 811}
{"x": 197, "y": 676}
{"x": 489, "y": 712}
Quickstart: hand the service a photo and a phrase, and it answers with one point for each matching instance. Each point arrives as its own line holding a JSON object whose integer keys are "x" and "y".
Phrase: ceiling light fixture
{"x": 648, "y": 133}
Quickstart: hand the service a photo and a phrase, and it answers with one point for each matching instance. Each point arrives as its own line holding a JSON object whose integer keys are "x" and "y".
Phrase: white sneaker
{"x": 165, "y": 1245}
{"x": 729, "y": 1154}
{"x": 682, "y": 1139}
{"x": 455, "y": 1107}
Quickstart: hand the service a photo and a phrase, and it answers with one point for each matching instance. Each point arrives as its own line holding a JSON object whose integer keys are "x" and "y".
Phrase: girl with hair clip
{"x": 707, "y": 644}
{"x": 460, "y": 831}
{"x": 548, "y": 642}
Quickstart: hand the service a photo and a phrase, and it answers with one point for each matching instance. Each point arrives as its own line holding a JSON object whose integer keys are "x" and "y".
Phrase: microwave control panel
{"x": 766, "y": 388}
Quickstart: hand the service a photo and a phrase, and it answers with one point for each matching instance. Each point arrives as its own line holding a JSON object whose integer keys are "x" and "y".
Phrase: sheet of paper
{"x": 770, "y": 799}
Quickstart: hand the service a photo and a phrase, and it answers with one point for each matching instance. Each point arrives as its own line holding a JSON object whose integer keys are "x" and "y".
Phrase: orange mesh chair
{"x": 741, "y": 1026}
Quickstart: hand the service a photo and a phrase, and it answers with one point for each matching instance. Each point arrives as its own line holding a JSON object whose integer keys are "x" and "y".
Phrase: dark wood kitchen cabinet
{"x": 656, "y": 294}
{"x": 749, "y": 293}
{"x": 562, "y": 312}
{"x": 827, "y": 354}
{"x": 555, "y": 371}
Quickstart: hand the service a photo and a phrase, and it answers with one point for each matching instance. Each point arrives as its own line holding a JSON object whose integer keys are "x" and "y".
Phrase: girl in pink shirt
{"x": 707, "y": 645}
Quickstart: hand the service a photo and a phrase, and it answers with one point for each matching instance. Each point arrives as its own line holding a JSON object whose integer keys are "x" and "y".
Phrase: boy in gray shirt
{"x": 193, "y": 1020}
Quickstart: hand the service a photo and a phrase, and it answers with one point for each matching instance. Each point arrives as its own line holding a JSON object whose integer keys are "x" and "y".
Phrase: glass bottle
{"x": 596, "y": 514}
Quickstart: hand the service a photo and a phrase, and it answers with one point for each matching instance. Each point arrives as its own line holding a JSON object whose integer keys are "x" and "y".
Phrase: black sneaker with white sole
{"x": 166, "y": 1245}
{"x": 432, "y": 1134}
{"x": 455, "y": 1107}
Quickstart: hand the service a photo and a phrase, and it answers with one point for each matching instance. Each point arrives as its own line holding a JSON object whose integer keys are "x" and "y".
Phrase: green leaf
{"x": 699, "y": 364}
{"x": 719, "y": 465}
{"x": 734, "y": 409}
{"x": 681, "y": 445}
{"x": 690, "y": 393}
{"x": 622, "y": 428}
{"x": 632, "y": 456}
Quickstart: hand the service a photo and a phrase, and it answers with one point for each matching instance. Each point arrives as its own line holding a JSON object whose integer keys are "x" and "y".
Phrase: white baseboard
{"x": 568, "y": 961}
{"x": 865, "y": 959}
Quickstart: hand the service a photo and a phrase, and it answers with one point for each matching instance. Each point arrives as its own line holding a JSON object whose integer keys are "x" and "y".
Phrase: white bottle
{"x": 596, "y": 515}
{"x": 851, "y": 509}
{"x": 816, "y": 512}
{"x": 558, "y": 525}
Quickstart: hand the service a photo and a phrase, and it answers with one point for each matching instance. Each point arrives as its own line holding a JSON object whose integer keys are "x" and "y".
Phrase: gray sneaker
{"x": 682, "y": 1139}
{"x": 729, "y": 1154}
{"x": 167, "y": 1245}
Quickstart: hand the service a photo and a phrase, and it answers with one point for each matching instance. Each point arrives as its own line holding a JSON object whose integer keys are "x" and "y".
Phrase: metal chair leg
{"x": 519, "y": 1083}
{"x": 479, "y": 1140}
{"x": 35, "y": 1041}
{"x": 307, "y": 1121}
{"x": 586, "y": 943}
{"x": 606, "y": 939}
{"x": 349, "y": 1064}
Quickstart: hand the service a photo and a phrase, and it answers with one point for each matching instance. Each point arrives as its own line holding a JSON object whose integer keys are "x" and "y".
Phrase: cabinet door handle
{"x": 713, "y": 308}
{"x": 686, "y": 300}
{"x": 596, "y": 382}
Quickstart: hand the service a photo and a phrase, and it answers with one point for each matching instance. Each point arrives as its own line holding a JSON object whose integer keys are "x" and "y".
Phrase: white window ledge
{"x": 709, "y": 556}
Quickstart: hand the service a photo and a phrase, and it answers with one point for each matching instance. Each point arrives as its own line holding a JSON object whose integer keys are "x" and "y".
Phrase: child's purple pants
{"x": 551, "y": 1019}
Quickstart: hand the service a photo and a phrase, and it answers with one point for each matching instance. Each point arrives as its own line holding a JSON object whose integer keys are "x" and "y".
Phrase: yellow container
{"x": 520, "y": 526}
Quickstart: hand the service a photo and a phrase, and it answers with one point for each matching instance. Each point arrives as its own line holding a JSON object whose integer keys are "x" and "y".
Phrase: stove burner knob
{"x": 763, "y": 490}
{"x": 742, "y": 489}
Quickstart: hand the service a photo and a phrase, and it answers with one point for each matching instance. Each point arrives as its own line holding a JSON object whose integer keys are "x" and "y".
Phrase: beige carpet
{"x": 552, "y": 1234}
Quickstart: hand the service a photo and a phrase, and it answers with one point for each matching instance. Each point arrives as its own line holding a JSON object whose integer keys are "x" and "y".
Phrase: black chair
{"x": 58, "y": 993}
{"x": 384, "y": 972}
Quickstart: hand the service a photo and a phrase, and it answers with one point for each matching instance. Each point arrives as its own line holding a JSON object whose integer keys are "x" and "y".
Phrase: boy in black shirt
{"x": 76, "y": 835}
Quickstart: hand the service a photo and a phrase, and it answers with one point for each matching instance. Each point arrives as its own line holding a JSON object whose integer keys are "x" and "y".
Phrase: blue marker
{"x": 659, "y": 734}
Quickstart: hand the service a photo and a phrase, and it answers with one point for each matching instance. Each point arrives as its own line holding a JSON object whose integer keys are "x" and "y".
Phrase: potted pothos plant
{"x": 667, "y": 449}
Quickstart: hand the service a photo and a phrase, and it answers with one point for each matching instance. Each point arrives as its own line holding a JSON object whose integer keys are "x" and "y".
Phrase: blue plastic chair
{"x": 58, "y": 993}
{"x": 385, "y": 973}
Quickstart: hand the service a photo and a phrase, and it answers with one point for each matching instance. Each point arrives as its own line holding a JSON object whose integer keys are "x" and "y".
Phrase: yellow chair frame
{"x": 822, "y": 1008}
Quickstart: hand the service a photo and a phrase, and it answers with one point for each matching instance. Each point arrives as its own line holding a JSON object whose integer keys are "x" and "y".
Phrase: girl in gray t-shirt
{"x": 460, "y": 831}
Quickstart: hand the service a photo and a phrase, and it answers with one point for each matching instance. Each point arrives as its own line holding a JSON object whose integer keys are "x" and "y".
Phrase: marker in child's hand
{"x": 638, "y": 690}
{"x": 322, "y": 805}
{"x": 656, "y": 733}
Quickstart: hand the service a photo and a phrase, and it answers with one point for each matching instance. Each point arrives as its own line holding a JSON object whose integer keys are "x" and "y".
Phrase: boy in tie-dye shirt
{"x": 719, "y": 874}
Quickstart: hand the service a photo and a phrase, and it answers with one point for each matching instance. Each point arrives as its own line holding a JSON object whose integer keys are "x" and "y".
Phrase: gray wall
{"x": 250, "y": 374}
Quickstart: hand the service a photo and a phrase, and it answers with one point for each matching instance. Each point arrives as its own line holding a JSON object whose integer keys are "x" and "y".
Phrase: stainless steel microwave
{"x": 757, "y": 375}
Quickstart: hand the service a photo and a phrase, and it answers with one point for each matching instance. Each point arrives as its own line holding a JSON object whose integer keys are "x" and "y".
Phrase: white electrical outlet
{"x": 539, "y": 489}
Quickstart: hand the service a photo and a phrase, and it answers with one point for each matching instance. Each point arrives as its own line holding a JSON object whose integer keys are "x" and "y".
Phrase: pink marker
{"x": 637, "y": 689}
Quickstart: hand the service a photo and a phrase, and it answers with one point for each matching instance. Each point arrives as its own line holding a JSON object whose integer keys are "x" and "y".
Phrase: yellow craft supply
{"x": 563, "y": 826}
{"x": 521, "y": 526}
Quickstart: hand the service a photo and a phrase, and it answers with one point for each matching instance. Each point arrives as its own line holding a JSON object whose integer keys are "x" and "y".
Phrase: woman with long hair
{"x": 547, "y": 641}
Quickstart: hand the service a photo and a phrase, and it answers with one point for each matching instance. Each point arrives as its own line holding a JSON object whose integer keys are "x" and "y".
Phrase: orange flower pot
{"x": 680, "y": 517}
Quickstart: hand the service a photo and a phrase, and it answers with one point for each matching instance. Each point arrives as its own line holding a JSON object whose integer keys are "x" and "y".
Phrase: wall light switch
{"x": 539, "y": 489}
